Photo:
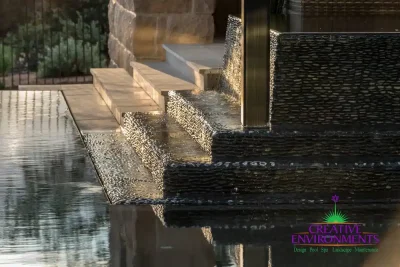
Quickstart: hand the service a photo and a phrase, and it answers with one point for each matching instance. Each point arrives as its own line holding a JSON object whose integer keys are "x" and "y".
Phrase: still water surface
{"x": 54, "y": 213}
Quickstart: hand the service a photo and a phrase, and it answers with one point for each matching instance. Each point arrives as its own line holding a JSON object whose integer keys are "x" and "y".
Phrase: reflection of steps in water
{"x": 139, "y": 238}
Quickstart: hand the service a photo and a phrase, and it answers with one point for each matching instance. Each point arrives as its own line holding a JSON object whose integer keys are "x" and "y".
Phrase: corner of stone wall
{"x": 138, "y": 28}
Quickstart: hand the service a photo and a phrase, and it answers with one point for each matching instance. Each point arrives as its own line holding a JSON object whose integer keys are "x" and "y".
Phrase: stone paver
{"x": 39, "y": 87}
{"x": 199, "y": 56}
{"x": 159, "y": 80}
{"x": 88, "y": 109}
{"x": 121, "y": 93}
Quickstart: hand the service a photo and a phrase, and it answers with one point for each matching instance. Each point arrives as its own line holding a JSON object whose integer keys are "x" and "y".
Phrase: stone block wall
{"x": 138, "y": 28}
{"x": 337, "y": 81}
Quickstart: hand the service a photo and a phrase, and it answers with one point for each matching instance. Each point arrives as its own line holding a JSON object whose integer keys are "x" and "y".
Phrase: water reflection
{"x": 192, "y": 236}
{"x": 53, "y": 212}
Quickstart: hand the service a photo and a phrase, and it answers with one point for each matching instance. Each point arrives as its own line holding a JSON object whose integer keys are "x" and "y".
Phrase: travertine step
{"x": 201, "y": 64}
{"x": 182, "y": 168}
{"x": 215, "y": 124}
{"x": 121, "y": 94}
{"x": 156, "y": 79}
{"x": 88, "y": 109}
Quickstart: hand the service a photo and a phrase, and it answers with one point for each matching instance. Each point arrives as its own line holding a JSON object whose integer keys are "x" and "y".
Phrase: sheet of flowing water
{"x": 53, "y": 211}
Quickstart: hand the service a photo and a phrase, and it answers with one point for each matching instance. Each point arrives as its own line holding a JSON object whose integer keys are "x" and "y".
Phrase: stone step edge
{"x": 204, "y": 70}
{"x": 101, "y": 88}
{"x": 206, "y": 133}
{"x": 205, "y": 78}
{"x": 141, "y": 72}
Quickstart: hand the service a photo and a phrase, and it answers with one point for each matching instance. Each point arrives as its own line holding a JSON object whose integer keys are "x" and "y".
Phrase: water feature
{"x": 54, "y": 212}
{"x": 324, "y": 23}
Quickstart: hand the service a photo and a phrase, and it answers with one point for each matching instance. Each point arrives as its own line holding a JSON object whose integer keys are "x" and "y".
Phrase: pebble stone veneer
{"x": 337, "y": 81}
{"x": 332, "y": 81}
{"x": 199, "y": 144}
{"x": 179, "y": 175}
{"x": 120, "y": 170}
{"x": 215, "y": 124}
{"x": 231, "y": 78}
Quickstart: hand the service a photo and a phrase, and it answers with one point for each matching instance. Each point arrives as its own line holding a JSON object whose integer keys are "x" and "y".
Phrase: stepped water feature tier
{"x": 333, "y": 125}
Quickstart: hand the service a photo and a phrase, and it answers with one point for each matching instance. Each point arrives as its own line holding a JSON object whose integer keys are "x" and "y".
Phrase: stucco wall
{"x": 138, "y": 28}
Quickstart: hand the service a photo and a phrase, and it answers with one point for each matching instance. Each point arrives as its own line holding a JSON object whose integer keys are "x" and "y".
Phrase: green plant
{"x": 90, "y": 32}
{"x": 29, "y": 41}
{"x": 70, "y": 57}
{"x": 2, "y": 85}
{"x": 7, "y": 57}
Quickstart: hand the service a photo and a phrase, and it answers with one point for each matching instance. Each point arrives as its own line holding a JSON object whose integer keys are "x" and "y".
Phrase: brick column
{"x": 138, "y": 28}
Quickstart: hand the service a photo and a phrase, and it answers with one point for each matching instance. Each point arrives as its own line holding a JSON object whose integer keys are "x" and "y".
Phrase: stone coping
{"x": 203, "y": 58}
{"x": 158, "y": 80}
{"x": 88, "y": 109}
{"x": 121, "y": 94}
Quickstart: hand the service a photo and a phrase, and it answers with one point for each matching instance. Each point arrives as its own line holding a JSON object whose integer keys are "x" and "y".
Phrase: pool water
{"x": 53, "y": 211}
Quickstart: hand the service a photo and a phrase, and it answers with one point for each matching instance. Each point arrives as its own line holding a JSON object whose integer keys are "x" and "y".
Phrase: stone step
{"x": 200, "y": 63}
{"x": 215, "y": 124}
{"x": 88, "y": 110}
{"x": 157, "y": 78}
{"x": 181, "y": 167}
{"x": 121, "y": 94}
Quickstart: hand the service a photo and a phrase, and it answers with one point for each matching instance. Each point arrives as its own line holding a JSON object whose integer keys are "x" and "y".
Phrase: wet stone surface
{"x": 121, "y": 171}
{"x": 55, "y": 213}
{"x": 336, "y": 80}
{"x": 202, "y": 114}
{"x": 230, "y": 80}
{"x": 184, "y": 178}
{"x": 304, "y": 147}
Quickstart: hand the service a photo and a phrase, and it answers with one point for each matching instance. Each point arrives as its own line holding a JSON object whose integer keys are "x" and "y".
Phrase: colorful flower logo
{"x": 335, "y": 216}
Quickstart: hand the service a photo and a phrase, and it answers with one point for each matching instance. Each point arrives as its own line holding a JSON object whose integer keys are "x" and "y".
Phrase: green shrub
{"x": 70, "y": 58}
{"x": 33, "y": 40}
{"x": 29, "y": 41}
{"x": 90, "y": 32}
{"x": 7, "y": 57}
